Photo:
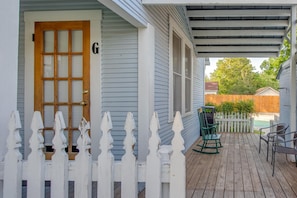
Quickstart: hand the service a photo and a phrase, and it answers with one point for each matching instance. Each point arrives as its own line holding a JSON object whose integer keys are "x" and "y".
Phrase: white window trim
{"x": 95, "y": 17}
{"x": 173, "y": 27}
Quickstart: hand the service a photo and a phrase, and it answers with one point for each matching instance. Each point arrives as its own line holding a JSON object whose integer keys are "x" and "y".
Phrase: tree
{"x": 235, "y": 76}
{"x": 271, "y": 66}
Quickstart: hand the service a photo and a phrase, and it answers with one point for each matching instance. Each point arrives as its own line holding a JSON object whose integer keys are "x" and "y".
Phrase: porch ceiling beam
{"x": 239, "y": 41}
{"x": 240, "y": 23}
{"x": 221, "y": 2}
{"x": 232, "y": 54}
{"x": 237, "y": 48}
{"x": 230, "y": 33}
{"x": 238, "y": 13}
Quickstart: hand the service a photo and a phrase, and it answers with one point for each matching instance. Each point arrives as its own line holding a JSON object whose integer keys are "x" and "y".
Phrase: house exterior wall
{"x": 268, "y": 92}
{"x": 284, "y": 93}
{"x": 9, "y": 14}
{"x": 119, "y": 66}
{"x": 210, "y": 92}
{"x": 158, "y": 16}
{"x": 119, "y": 75}
{"x": 192, "y": 129}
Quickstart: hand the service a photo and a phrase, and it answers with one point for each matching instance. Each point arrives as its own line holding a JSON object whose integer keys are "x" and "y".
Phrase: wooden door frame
{"x": 94, "y": 16}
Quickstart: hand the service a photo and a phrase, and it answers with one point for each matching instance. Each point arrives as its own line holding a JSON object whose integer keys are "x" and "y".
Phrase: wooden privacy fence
{"x": 262, "y": 104}
{"x": 234, "y": 122}
{"x": 163, "y": 176}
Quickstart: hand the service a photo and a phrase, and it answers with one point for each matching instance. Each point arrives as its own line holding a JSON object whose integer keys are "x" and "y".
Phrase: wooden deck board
{"x": 239, "y": 170}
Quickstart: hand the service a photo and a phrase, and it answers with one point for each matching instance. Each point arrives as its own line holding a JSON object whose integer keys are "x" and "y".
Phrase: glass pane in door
{"x": 77, "y": 66}
{"x": 62, "y": 66}
{"x": 63, "y": 41}
{"x": 77, "y": 38}
{"x": 48, "y": 41}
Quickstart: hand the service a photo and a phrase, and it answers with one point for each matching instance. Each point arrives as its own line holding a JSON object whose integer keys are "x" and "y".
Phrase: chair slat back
{"x": 203, "y": 122}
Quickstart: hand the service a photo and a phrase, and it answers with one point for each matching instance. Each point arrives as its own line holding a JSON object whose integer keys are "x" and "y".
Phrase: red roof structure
{"x": 211, "y": 87}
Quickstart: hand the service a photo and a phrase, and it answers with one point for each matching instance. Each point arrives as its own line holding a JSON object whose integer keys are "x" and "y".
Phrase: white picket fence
{"x": 163, "y": 176}
{"x": 234, "y": 122}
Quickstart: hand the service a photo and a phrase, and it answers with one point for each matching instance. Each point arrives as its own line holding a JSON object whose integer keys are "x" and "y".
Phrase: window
{"x": 180, "y": 90}
{"x": 188, "y": 78}
{"x": 177, "y": 73}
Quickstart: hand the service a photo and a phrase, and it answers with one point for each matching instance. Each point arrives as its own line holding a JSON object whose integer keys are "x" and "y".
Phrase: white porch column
{"x": 293, "y": 73}
{"x": 146, "y": 68}
{"x": 9, "y": 36}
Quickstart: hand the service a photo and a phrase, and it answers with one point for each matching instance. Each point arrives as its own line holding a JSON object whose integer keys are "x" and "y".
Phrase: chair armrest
{"x": 214, "y": 125}
{"x": 292, "y": 140}
{"x": 294, "y": 132}
{"x": 272, "y": 134}
{"x": 210, "y": 127}
{"x": 268, "y": 127}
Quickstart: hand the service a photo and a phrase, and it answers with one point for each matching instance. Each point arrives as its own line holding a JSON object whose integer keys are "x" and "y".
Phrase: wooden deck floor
{"x": 239, "y": 171}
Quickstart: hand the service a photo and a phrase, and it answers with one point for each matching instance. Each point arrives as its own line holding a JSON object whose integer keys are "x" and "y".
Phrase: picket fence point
{"x": 163, "y": 172}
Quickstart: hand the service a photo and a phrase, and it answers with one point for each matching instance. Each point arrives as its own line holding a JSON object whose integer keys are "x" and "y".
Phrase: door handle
{"x": 83, "y": 103}
{"x": 85, "y": 91}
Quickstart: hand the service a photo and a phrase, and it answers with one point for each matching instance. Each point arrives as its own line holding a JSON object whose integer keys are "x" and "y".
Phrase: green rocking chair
{"x": 211, "y": 140}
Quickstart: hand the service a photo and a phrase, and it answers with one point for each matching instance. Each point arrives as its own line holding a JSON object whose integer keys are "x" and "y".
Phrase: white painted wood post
{"x": 177, "y": 161}
{"x": 105, "y": 188}
{"x": 165, "y": 152}
{"x": 153, "y": 162}
{"x": 13, "y": 159}
{"x": 293, "y": 93}
{"x": 129, "y": 180}
{"x": 83, "y": 163}
{"x": 59, "y": 176}
{"x": 36, "y": 159}
{"x": 1, "y": 188}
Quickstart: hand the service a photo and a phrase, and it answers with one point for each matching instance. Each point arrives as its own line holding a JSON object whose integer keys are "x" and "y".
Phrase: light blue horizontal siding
{"x": 134, "y": 8}
{"x": 119, "y": 64}
{"x": 159, "y": 17}
{"x": 191, "y": 123}
{"x": 119, "y": 75}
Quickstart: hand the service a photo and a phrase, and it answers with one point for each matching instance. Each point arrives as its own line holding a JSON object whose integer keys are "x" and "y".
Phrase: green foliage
{"x": 209, "y": 104}
{"x": 243, "y": 106}
{"x": 235, "y": 76}
{"x": 271, "y": 66}
{"x": 238, "y": 76}
{"x": 207, "y": 78}
{"x": 226, "y": 107}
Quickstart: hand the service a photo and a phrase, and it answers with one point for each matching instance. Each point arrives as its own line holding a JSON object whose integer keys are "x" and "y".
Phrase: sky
{"x": 256, "y": 62}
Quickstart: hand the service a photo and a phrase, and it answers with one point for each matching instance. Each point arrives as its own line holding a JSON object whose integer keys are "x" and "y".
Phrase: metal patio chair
{"x": 211, "y": 140}
{"x": 268, "y": 135}
{"x": 283, "y": 147}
